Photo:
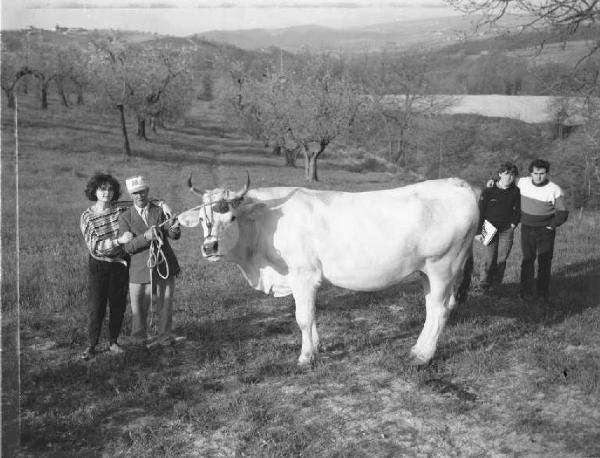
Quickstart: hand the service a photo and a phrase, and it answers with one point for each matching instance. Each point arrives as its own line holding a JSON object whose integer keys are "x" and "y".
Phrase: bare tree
{"x": 66, "y": 60}
{"x": 115, "y": 67}
{"x": 398, "y": 96}
{"x": 164, "y": 87}
{"x": 45, "y": 66}
{"x": 258, "y": 106}
{"x": 13, "y": 69}
{"x": 566, "y": 16}
{"x": 76, "y": 71}
{"x": 145, "y": 81}
{"x": 303, "y": 109}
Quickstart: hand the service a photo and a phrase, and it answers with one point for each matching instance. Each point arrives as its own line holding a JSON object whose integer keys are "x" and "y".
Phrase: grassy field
{"x": 510, "y": 378}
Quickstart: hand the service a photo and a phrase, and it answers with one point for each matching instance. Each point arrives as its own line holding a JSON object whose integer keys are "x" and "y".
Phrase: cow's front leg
{"x": 304, "y": 289}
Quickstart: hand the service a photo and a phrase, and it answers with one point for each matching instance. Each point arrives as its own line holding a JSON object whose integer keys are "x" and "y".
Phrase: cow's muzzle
{"x": 210, "y": 248}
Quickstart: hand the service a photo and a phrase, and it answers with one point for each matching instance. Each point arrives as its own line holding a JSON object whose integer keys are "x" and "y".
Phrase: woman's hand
{"x": 124, "y": 238}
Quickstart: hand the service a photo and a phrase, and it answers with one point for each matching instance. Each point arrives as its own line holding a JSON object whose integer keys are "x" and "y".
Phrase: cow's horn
{"x": 242, "y": 193}
{"x": 192, "y": 188}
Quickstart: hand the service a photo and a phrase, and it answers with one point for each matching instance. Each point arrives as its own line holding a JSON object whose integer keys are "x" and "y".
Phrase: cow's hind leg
{"x": 304, "y": 289}
{"x": 439, "y": 300}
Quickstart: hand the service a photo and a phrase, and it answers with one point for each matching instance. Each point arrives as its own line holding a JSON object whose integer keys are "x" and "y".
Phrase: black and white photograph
{"x": 300, "y": 228}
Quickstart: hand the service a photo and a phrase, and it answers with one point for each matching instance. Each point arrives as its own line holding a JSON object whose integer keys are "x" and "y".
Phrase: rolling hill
{"x": 399, "y": 34}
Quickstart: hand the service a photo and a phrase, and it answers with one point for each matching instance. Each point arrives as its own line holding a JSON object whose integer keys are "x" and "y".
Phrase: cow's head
{"x": 217, "y": 214}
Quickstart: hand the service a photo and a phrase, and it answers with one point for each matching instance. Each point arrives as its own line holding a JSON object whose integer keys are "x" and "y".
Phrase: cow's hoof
{"x": 418, "y": 360}
{"x": 305, "y": 361}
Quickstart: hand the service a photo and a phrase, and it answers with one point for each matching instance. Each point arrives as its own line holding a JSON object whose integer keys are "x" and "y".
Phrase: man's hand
{"x": 149, "y": 235}
{"x": 479, "y": 238}
{"x": 550, "y": 228}
{"x": 166, "y": 209}
{"x": 124, "y": 238}
{"x": 489, "y": 184}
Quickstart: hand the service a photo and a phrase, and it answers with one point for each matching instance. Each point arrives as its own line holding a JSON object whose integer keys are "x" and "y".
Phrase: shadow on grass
{"x": 210, "y": 131}
{"x": 199, "y": 154}
{"x": 364, "y": 300}
{"x": 198, "y": 143}
{"x": 29, "y": 124}
{"x": 215, "y": 338}
{"x": 574, "y": 289}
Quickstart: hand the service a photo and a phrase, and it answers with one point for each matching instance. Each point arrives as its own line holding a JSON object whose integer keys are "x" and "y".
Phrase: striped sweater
{"x": 542, "y": 205}
{"x": 100, "y": 232}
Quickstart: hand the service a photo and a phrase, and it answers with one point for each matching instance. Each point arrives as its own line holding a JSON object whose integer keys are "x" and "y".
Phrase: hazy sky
{"x": 186, "y": 17}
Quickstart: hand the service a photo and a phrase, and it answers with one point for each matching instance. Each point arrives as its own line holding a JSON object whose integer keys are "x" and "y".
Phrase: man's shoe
{"x": 161, "y": 341}
{"x": 116, "y": 348}
{"x": 133, "y": 341}
{"x": 88, "y": 354}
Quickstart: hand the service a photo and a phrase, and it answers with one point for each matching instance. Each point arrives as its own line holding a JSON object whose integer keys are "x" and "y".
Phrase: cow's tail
{"x": 463, "y": 288}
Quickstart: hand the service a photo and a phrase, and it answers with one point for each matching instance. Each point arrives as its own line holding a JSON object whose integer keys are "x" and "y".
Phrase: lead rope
{"x": 156, "y": 258}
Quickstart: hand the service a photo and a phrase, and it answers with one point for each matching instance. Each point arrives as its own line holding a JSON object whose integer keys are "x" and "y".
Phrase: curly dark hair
{"x": 99, "y": 180}
{"x": 508, "y": 167}
{"x": 539, "y": 164}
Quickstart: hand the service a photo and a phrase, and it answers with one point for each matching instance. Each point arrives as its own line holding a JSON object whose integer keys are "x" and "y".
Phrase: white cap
{"x": 135, "y": 184}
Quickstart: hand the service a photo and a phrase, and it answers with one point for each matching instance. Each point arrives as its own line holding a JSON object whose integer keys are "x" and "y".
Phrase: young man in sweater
{"x": 543, "y": 209}
{"x": 501, "y": 206}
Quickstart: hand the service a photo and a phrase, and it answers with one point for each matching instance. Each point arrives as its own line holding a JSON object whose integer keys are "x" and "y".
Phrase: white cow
{"x": 289, "y": 240}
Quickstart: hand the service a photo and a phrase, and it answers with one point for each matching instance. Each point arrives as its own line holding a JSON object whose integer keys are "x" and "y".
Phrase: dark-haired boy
{"x": 501, "y": 206}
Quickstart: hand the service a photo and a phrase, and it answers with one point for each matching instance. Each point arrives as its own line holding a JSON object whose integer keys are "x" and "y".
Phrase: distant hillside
{"x": 205, "y": 51}
{"x": 398, "y": 34}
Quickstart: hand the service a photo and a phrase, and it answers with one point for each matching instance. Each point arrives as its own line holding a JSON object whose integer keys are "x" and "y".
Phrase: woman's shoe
{"x": 88, "y": 354}
{"x": 116, "y": 348}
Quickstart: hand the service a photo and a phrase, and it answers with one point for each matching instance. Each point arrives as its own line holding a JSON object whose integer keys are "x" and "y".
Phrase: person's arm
{"x": 483, "y": 202}
{"x": 561, "y": 213}
{"x": 516, "y": 216}
{"x": 165, "y": 208}
{"x": 96, "y": 246}
{"x": 137, "y": 243}
{"x": 171, "y": 228}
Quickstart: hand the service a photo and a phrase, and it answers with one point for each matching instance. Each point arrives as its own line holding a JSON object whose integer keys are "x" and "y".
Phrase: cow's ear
{"x": 189, "y": 218}
{"x": 252, "y": 211}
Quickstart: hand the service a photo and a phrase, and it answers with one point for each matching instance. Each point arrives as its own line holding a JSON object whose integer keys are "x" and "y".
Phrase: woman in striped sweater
{"x": 108, "y": 274}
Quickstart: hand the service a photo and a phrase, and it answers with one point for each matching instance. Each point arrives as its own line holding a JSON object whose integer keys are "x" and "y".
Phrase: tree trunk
{"x": 310, "y": 161}
{"x": 290, "y": 157}
{"x": 311, "y": 168}
{"x": 153, "y": 124}
{"x": 79, "y": 95}
{"x": 44, "y": 96}
{"x": 10, "y": 98}
{"x": 141, "y": 128}
{"x": 63, "y": 96}
{"x": 126, "y": 147}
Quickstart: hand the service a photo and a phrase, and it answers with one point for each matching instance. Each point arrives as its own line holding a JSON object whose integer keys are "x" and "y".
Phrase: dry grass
{"x": 510, "y": 378}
